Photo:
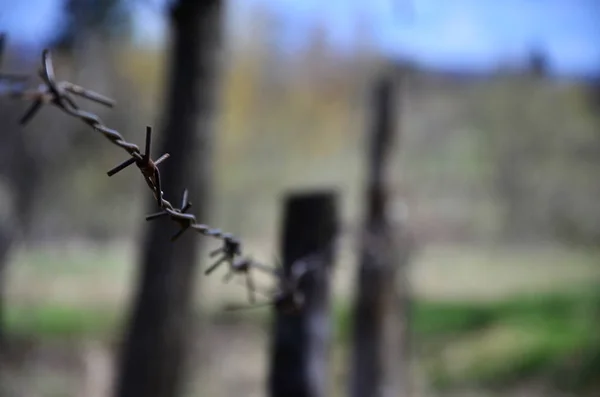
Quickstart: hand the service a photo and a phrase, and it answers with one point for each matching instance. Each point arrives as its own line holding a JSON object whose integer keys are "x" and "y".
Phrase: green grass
{"x": 433, "y": 319}
{"x": 554, "y": 337}
{"x": 61, "y": 322}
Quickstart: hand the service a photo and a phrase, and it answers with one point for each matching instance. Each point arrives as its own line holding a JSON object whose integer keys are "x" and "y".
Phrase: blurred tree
{"x": 153, "y": 357}
{"x": 20, "y": 174}
{"x": 21, "y": 170}
{"x": 105, "y": 18}
{"x": 538, "y": 63}
{"x": 594, "y": 93}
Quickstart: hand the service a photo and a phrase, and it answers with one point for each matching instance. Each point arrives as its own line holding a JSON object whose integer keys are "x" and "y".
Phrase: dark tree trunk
{"x": 300, "y": 345}
{"x": 154, "y": 353}
{"x": 375, "y": 301}
{"x": 22, "y": 171}
{"x": 6, "y": 239}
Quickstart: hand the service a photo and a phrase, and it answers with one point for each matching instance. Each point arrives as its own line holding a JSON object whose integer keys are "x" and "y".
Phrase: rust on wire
{"x": 61, "y": 94}
{"x": 148, "y": 168}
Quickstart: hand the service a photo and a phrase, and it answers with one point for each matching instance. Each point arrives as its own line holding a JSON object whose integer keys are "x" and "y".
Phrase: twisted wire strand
{"x": 60, "y": 94}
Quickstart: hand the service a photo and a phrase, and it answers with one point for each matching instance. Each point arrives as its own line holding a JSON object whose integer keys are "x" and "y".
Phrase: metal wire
{"x": 60, "y": 94}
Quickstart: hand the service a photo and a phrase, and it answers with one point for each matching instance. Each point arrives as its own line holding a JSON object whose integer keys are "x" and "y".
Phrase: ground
{"x": 475, "y": 306}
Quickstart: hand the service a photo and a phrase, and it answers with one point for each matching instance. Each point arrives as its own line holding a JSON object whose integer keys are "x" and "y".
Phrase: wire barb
{"x": 148, "y": 168}
{"x": 178, "y": 215}
{"x": 243, "y": 265}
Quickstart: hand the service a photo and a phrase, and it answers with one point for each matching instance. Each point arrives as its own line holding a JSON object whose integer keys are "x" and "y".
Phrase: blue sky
{"x": 446, "y": 33}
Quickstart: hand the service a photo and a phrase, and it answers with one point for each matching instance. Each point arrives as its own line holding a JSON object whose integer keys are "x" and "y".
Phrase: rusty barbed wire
{"x": 287, "y": 297}
{"x": 60, "y": 94}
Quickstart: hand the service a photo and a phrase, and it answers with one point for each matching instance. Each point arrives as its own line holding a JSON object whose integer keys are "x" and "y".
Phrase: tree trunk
{"x": 22, "y": 171}
{"x": 6, "y": 239}
{"x": 154, "y": 354}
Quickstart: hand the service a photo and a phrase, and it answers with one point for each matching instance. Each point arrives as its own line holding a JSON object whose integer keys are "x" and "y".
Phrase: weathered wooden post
{"x": 375, "y": 302}
{"x": 299, "y": 364}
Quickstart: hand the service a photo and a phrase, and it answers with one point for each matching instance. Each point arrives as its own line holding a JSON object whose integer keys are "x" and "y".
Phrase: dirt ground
{"x": 231, "y": 362}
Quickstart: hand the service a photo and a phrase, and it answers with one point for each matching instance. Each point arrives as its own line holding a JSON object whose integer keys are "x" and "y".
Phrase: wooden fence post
{"x": 300, "y": 346}
{"x": 376, "y": 303}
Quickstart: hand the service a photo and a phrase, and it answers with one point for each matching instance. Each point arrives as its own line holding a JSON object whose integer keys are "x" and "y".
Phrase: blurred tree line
{"x": 508, "y": 156}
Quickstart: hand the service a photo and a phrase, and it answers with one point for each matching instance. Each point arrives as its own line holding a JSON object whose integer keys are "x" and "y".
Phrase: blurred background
{"x": 494, "y": 174}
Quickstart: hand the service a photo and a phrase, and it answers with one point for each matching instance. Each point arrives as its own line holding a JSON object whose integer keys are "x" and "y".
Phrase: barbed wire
{"x": 60, "y": 94}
